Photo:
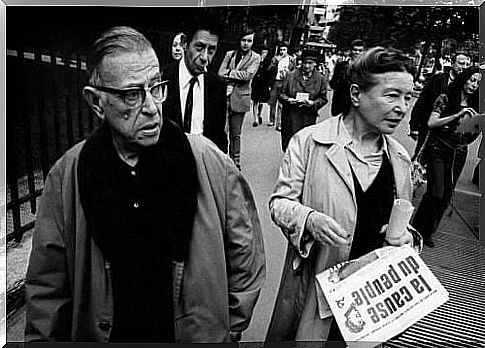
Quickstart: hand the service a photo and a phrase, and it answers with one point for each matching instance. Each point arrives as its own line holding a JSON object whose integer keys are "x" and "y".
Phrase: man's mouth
{"x": 150, "y": 129}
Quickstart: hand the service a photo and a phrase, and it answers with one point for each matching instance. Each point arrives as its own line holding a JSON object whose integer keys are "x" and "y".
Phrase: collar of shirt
{"x": 185, "y": 76}
{"x": 344, "y": 138}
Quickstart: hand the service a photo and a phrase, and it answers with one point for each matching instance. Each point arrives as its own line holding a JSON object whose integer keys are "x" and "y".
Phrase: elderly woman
{"x": 336, "y": 188}
{"x": 446, "y": 150}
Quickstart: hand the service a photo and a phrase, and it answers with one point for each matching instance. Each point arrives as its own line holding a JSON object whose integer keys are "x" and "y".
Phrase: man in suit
{"x": 339, "y": 84}
{"x": 196, "y": 97}
{"x": 238, "y": 68}
{"x": 436, "y": 85}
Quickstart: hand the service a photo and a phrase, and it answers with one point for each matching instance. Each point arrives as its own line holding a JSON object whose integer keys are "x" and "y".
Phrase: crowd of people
{"x": 154, "y": 202}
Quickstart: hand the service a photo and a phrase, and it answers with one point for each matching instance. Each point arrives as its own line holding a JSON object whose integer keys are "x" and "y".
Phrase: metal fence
{"x": 46, "y": 115}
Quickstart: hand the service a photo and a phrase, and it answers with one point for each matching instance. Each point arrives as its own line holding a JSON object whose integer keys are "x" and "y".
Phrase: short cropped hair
{"x": 378, "y": 60}
{"x": 358, "y": 43}
{"x": 209, "y": 23}
{"x": 114, "y": 40}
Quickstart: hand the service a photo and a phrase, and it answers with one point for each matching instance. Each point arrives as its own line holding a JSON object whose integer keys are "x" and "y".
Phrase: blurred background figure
{"x": 339, "y": 84}
{"x": 303, "y": 93}
{"x": 178, "y": 45}
{"x": 281, "y": 64}
{"x": 446, "y": 149}
{"x": 260, "y": 87}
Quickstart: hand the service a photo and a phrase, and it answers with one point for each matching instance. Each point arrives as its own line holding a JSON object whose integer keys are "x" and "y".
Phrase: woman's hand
{"x": 307, "y": 103}
{"x": 326, "y": 230}
{"x": 405, "y": 238}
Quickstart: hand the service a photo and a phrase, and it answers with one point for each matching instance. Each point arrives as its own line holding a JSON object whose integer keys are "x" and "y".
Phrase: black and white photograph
{"x": 249, "y": 172}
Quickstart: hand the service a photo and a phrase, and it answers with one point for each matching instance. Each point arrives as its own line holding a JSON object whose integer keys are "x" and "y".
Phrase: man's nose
{"x": 149, "y": 106}
{"x": 203, "y": 55}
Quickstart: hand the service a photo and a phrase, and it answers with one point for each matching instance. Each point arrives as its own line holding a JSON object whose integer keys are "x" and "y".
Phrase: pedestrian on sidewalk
{"x": 336, "y": 189}
{"x": 196, "y": 97}
{"x": 143, "y": 233}
{"x": 436, "y": 85}
{"x": 260, "y": 87}
{"x": 303, "y": 93}
{"x": 238, "y": 69}
{"x": 339, "y": 83}
{"x": 281, "y": 64}
{"x": 446, "y": 149}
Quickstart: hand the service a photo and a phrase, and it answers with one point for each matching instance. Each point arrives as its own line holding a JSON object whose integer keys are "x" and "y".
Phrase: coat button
{"x": 104, "y": 325}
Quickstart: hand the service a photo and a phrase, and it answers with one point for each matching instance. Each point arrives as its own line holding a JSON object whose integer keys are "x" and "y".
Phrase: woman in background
{"x": 446, "y": 149}
{"x": 260, "y": 87}
{"x": 178, "y": 45}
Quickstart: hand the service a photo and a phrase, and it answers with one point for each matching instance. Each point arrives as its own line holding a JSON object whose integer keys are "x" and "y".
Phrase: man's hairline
{"x": 98, "y": 69}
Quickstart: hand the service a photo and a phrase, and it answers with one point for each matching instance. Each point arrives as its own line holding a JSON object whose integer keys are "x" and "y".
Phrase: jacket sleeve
{"x": 246, "y": 74}
{"x": 321, "y": 99}
{"x": 245, "y": 256}
{"x": 423, "y": 106}
{"x": 285, "y": 205}
{"x": 47, "y": 290}
{"x": 223, "y": 69}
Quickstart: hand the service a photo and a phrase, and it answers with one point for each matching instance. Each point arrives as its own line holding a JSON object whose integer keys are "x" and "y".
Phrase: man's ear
{"x": 355, "y": 93}
{"x": 93, "y": 99}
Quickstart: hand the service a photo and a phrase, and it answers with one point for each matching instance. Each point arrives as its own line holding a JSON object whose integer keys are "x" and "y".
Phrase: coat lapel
{"x": 336, "y": 156}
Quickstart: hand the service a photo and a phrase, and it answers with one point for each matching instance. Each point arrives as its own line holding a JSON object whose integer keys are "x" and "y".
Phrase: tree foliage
{"x": 403, "y": 27}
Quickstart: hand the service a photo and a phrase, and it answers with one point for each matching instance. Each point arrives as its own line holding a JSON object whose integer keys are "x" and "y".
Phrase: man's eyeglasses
{"x": 135, "y": 97}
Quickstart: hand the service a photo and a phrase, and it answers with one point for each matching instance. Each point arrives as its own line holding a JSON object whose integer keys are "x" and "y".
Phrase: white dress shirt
{"x": 197, "y": 124}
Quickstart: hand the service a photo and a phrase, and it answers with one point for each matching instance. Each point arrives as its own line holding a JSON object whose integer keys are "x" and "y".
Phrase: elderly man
{"x": 303, "y": 93}
{"x": 143, "y": 234}
{"x": 238, "y": 68}
{"x": 436, "y": 85}
{"x": 338, "y": 82}
{"x": 196, "y": 97}
{"x": 335, "y": 192}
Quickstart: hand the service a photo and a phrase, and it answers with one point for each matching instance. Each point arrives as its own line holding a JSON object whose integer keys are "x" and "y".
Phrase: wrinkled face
{"x": 177, "y": 47}
{"x": 357, "y": 51}
{"x": 471, "y": 85}
{"x": 200, "y": 51}
{"x": 384, "y": 105}
{"x": 247, "y": 42}
{"x": 133, "y": 127}
{"x": 462, "y": 62}
{"x": 284, "y": 51}
{"x": 308, "y": 65}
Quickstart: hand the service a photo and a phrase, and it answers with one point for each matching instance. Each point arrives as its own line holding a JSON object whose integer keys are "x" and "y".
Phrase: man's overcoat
{"x": 69, "y": 285}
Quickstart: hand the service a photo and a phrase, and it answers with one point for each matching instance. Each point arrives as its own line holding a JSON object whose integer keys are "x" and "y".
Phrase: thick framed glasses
{"x": 135, "y": 97}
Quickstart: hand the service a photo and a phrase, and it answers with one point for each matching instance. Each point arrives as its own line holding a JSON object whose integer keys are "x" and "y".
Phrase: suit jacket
{"x": 436, "y": 85}
{"x": 214, "y": 104}
{"x": 241, "y": 76}
{"x": 340, "y": 87}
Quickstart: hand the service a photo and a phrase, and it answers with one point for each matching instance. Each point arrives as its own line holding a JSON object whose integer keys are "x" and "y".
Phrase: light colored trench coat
{"x": 68, "y": 285}
{"x": 315, "y": 175}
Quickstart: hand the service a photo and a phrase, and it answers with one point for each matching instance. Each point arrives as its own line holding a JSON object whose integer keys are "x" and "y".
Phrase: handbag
{"x": 418, "y": 170}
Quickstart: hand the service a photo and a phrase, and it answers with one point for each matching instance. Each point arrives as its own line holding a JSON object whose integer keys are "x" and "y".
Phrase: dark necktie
{"x": 188, "y": 106}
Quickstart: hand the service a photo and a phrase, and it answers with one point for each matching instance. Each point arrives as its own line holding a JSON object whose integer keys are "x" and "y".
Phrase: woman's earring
{"x": 125, "y": 116}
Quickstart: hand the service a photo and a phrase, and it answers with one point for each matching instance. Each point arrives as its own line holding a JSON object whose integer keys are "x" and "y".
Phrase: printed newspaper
{"x": 381, "y": 294}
